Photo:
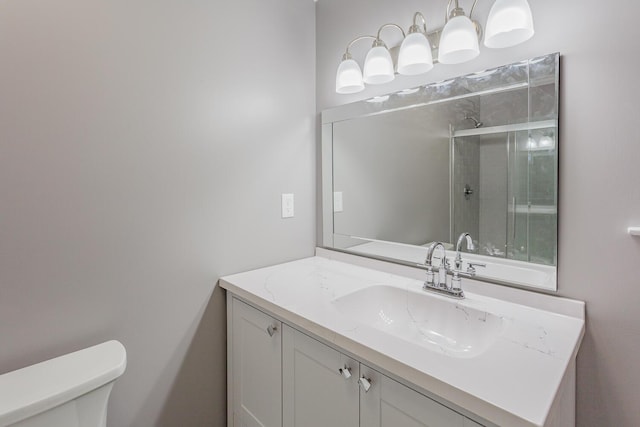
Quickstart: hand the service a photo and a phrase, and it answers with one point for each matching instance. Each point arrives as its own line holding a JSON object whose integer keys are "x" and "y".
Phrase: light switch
{"x": 337, "y": 201}
{"x": 287, "y": 205}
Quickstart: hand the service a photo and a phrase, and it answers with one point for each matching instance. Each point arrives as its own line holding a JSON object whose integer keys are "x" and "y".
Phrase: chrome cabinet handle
{"x": 271, "y": 330}
{"x": 365, "y": 384}
{"x": 345, "y": 372}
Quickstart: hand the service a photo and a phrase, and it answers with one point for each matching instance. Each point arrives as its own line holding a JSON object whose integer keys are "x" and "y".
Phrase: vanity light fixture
{"x": 510, "y": 23}
{"x": 378, "y": 65}
{"x": 349, "y": 76}
{"x": 459, "y": 39}
{"x": 415, "y": 51}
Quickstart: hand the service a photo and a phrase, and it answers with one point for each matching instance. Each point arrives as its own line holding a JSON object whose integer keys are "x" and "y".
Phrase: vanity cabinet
{"x": 255, "y": 343}
{"x": 281, "y": 377}
{"x": 391, "y": 404}
{"x": 320, "y": 384}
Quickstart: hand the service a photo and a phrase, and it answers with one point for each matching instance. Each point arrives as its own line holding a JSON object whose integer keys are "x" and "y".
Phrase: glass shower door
{"x": 504, "y": 193}
{"x": 532, "y": 196}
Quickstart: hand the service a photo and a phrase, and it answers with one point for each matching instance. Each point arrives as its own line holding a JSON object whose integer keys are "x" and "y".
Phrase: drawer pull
{"x": 271, "y": 330}
{"x": 345, "y": 372}
{"x": 365, "y": 384}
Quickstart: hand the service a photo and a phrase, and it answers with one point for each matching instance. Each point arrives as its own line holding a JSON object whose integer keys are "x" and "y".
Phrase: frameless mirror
{"x": 476, "y": 154}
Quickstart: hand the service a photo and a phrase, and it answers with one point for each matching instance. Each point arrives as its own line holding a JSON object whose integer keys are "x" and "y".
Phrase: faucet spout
{"x": 464, "y": 237}
{"x": 431, "y": 249}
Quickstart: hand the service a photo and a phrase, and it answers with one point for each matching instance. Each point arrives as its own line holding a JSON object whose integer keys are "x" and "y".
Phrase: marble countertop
{"x": 513, "y": 382}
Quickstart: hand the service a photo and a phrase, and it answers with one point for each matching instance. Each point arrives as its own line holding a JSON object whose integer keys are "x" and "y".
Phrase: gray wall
{"x": 379, "y": 166}
{"x": 599, "y": 173}
{"x": 143, "y": 149}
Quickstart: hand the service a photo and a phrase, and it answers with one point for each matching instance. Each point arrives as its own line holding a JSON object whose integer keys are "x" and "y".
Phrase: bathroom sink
{"x": 438, "y": 324}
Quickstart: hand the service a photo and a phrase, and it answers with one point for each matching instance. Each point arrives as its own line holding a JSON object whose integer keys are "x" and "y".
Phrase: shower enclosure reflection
{"x": 504, "y": 182}
{"x": 474, "y": 154}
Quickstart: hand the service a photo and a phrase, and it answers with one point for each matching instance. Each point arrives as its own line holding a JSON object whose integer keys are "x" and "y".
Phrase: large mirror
{"x": 476, "y": 154}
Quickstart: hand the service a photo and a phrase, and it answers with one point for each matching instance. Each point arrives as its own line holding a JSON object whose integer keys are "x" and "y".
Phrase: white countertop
{"x": 512, "y": 383}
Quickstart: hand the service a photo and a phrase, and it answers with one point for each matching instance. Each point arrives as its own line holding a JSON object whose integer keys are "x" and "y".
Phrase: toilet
{"x": 68, "y": 391}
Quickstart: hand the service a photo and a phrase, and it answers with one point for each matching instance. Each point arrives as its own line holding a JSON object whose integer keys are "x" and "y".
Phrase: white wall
{"x": 143, "y": 149}
{"x": 599, "y": 174}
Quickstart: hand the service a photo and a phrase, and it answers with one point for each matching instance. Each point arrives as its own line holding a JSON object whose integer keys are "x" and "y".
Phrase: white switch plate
{"x": 337, "y": 201}
{"x": 287, "y": 205}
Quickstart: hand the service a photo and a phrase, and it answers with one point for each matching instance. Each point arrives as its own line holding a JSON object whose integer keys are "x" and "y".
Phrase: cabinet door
{"x": 256, "y": 366}
{"x": 315, "y": 392}
{"x": 391, "y": 404}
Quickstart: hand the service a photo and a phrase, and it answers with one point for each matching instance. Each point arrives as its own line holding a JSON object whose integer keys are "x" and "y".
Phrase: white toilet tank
{"x": 68, "y": 391}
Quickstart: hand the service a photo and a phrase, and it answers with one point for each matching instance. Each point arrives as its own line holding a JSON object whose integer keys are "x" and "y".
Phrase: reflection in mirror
{"x": 474, "y": 154}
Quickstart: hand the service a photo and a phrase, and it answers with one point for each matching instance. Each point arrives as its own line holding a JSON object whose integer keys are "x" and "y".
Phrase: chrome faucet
{"x": 464, "y": 236}
{"x": 456, "y": 281}
{"x": 442, "y": 270}
{"x": 439, "y": 284}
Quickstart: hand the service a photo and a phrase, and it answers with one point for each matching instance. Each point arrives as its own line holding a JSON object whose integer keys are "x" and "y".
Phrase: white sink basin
{"x": 444, "y": 326}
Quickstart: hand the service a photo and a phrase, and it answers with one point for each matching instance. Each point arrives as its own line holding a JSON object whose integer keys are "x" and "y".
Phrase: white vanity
{"x": 349, "y": 337}
{"x": 339, "y": 340}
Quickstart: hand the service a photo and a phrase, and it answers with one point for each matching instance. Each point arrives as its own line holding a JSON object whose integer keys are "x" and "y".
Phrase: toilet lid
{"x": 37, "y": 388}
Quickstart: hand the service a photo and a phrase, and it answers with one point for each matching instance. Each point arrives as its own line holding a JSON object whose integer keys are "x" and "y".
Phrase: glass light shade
{"x": 510, "y": 23}
{"x": 349, "y": 77}
{"x": 415, "y": 55}
{"x": 459, "y": 41}
{"x": 378, "y": 66}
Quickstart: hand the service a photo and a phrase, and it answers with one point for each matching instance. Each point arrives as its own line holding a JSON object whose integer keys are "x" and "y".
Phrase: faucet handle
{"x": 471, "y": 267}
{"x": 456, "y": 284}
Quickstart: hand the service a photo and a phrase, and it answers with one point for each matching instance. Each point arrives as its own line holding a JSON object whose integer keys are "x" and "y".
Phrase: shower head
{"x": 477, "y": 123}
